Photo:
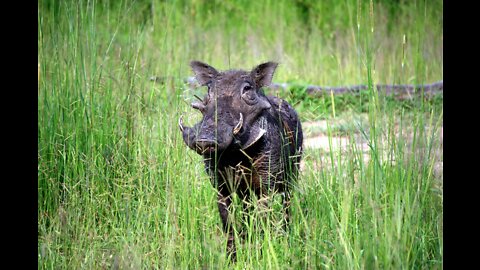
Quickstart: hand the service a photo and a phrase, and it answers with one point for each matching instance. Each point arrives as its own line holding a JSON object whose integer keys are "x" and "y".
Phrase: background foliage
{"x": 118, "y": 188}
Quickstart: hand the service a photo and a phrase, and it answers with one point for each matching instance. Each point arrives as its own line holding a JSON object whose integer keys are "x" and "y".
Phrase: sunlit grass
{"x": 117, "y": 187}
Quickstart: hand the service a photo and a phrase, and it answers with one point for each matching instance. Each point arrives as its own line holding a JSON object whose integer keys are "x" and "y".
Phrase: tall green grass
{"x": 117, "y": 187}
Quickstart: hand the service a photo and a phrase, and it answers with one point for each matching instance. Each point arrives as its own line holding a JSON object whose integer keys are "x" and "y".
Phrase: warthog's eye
{"x": 247, "y": 87}
{"x": 248, "y": 94}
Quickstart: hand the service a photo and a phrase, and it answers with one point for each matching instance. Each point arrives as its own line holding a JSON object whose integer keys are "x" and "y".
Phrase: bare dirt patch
{"x": 317, "y": 139}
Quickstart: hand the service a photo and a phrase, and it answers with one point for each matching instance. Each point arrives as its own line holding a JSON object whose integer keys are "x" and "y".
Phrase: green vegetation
{"x": 117, "y": 187}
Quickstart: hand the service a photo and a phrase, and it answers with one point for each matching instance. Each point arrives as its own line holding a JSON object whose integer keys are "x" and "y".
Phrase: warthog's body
{"x": 250, "y": 142}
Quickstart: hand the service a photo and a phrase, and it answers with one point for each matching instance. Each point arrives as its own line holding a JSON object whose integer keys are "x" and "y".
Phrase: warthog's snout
{"x": 205, "y": 146}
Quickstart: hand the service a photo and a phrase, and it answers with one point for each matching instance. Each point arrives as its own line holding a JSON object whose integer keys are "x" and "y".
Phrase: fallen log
{"x": 401, "y": 91}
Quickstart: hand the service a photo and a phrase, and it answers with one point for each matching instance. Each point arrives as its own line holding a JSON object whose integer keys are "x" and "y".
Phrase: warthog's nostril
{"x": 206, "y": 146}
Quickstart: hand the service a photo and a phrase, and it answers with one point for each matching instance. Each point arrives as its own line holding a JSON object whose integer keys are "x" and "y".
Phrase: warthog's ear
{"x": 203, "y": 72}
{"x": 263, "y": 73}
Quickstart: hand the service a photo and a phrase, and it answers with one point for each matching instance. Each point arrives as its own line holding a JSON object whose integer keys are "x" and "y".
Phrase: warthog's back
{"x": 289, "y": 118}
{"x": 292, "y": 137}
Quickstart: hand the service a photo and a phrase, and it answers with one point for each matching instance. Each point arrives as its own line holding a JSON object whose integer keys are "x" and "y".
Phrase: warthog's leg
{"x": 246, "y": 207}
{"x": 224, "y": 202}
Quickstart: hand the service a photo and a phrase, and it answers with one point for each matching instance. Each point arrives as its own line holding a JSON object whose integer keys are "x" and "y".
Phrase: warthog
{"x": 250, "y": 142}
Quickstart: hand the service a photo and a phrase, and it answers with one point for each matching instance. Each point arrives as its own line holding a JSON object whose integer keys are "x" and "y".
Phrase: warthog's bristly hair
{"x": 251, "y": 143}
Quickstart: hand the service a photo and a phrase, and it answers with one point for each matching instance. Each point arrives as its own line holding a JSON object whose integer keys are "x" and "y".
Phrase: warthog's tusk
{"x": 239, "y": 125}
{"x": 180, "y": 123}
{"x": 198, "y": 106}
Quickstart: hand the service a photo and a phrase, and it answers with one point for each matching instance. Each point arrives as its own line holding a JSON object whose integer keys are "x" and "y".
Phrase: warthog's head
{"x": 232, "y": 108}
